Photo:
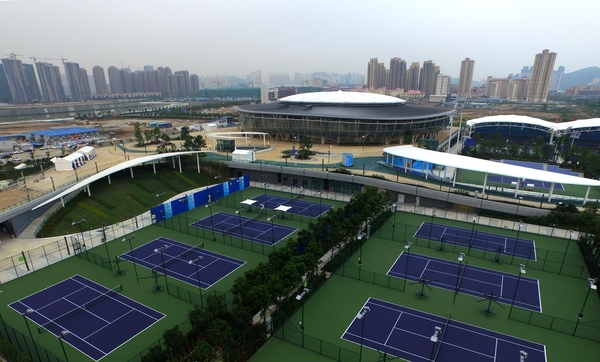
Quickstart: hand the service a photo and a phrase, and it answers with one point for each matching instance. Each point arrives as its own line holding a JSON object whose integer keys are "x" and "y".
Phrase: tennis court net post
{"x": 80, "y": 308}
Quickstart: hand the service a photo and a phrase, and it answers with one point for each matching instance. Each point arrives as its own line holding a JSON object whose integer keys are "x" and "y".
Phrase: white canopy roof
{"x": 491, "y": 167}
{"x": 511, "y": 118}
{"x": 341, "y": 97}
{"x": 111, "y": 170}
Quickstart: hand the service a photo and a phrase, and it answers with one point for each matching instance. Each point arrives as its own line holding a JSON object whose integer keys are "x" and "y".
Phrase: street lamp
{"x": 431, "y": 226}
{"x": 571, "y": 233}
{"x": 516, "y": 241}
{"x": 363, "y": 142}
{"x": 361, "y": 316}
{"x": 300, "y": 297}
{"x": 162, "y": 258}
{"x": 195, "y": 262}
{"x": 132, "y": 256}
{"x": 593, "y": 286}
{"x": 434, "y": 339}
{"x": 212, "y": 225}
{"x": 461, "y": 258}
{"x": 24, "y": 314}
{"x": 60, "y": 338}
{"x": 328, "y": 153}
{"x": 521, "y": 272}
{"x": 472, "y": 234}
{"x": 407, "y": 248}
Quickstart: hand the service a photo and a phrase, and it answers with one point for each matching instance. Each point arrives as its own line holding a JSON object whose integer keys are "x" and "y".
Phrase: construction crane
{"x": 13, "y": 55}
{"x": 61, "y": 58}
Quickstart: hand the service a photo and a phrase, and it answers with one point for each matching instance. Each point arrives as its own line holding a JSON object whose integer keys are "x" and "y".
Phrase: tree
{"x": 199, "y": 143}
{"x": 407, "y": 138}
{"x": 137, "y": 133}
{"x": 219, "y": 334}
{"x": 203, "y": 352}
{"x": 305, "y": 146}
{"x": 174, "y": 342}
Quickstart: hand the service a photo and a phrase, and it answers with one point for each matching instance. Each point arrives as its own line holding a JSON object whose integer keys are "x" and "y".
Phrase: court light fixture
{"x": 436, "y": 333}
{"x": 522, "y": 268}
{"x": 408, "y": 246}
{"x": 461, "y": 257}
{"x": 522, "y": 356}
{"x": 362, "y": 313}
{"x": 301, "y": 295}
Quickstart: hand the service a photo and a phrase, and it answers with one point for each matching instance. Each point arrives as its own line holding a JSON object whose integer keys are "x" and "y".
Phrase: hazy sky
{"x": 281, "y": 36}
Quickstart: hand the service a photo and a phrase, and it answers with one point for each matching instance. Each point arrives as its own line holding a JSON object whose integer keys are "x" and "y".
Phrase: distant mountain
{"x": 579, "y": 77}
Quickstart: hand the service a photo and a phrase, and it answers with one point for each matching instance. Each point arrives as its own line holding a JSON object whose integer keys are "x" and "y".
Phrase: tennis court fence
{"x": 25, "y": 344}
{"x": 294, "y": 335}
{"x": 589, "y": 330}
{"x": 573, "y": 265}
{"x": 64, "y": 247}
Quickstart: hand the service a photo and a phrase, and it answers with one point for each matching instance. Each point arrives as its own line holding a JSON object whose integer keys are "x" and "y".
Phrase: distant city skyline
{"x": 274, "y": 37}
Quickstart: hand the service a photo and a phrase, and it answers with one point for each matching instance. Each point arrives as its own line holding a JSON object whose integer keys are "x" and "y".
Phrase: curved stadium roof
{"x": 342, "y": 98}
{"x": 583, "y": 124}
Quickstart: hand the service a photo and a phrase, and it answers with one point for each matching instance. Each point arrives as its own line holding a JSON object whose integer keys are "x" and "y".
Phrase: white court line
{"x": 424, "y": 269}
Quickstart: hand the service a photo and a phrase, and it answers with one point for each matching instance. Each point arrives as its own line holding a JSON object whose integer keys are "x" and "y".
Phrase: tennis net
{"x": 289, "y": 201}
{"x": 240, "y": 225}
{"x": 81, "y": 308}
{"x": 191, "y": 251}
{"x": 442, "y": 337}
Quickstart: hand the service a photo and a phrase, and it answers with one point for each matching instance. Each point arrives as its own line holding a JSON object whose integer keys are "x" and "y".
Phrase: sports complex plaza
{"x": 436, "y": 279}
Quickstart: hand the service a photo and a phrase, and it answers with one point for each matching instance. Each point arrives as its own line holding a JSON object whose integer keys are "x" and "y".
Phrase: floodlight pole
{"x": 60, "y": 337}
{"x": 461, "y": 258}
{"x": 571, "y": 233}
{"x": 212, "y": 224}
{"x": 593, "y": 286}
{"x": 162, "y": 258}
{"x": 360, "y": 237}
{"x": 24, "y": 314}
{"x": 132, "y": 256}
{"x": 394, "y": 223}
{"x": 519, "y": 204}
{"x": 300, "y": 297}
{"x": 472, "y": 234}
{"x": 521, "y": 272}
{"x": 434, "y": 339}
{"x": 361, "y": 315}
{"x": 272, "y": 230}
{"x": 195, "y": 262}
{"x": 522, "y": 356}
{"x": 431, "y": 226}
{"x": 78, "y": 223}
{"x": 407, "y": 248}
{"x": 516, "y": 241}
{"x": 161, "y": 197}
{"x": 186, "y": 205}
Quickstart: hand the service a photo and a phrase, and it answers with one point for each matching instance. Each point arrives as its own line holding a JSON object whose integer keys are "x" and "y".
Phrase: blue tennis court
{"x": 97, "y": 319}
{"x": 298, "y": 206}
{"x": 211, "y": 267}
{"x": 253, "y": 229}
{"x": 526, "y": 183}
{"x": 407, "y": 333}
{"x": 469, "y": 279}
{"x": 520, "y": 248}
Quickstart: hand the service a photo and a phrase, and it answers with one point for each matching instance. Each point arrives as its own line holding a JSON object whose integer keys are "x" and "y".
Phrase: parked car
{"x": 16, "y": 159}
{"x": 17, "y": 151}
{"x": 5, "y": 154}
